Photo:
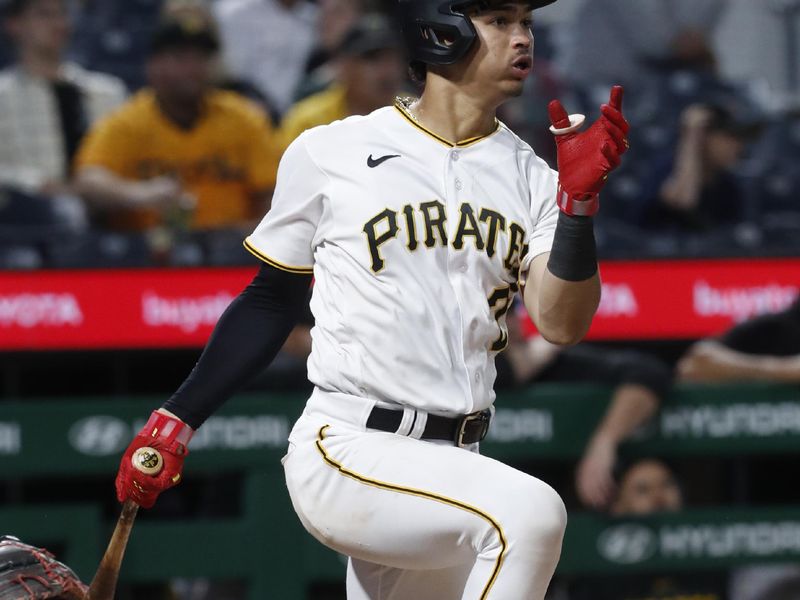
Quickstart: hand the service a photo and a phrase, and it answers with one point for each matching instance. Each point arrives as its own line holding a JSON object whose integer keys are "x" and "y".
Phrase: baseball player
{"x": 419, "y": 222}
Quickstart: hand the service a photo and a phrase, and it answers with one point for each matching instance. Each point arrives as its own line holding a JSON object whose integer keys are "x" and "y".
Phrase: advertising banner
{"x": 177, "y": 308}
{"x": 688, "y": 299}
{"x": 688, "y": 540}
{"x": 550, "y": 422}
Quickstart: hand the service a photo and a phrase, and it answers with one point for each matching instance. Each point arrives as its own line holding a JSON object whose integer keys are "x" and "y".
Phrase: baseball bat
{"x": 148, "y": 461}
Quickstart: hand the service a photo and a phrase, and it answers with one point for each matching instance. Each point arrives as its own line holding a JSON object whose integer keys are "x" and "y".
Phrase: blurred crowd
{"x": 148, "y": 132}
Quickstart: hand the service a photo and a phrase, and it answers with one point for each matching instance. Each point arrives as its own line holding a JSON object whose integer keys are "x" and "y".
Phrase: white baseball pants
{"x": 422, "y": 520}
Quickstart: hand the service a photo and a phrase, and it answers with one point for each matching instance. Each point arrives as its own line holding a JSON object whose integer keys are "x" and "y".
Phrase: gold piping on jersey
{"x": 274, "y": 263}
{"x": 422, "y": 494}
{"x": 402, "y": 104}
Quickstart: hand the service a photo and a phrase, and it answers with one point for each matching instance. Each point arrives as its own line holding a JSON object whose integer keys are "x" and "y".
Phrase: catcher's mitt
{"x": 30, "y": 573}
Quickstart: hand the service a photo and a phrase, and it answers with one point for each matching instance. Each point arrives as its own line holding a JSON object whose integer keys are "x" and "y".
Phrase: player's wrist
{"x": 167, "y": 432}
{"x": 583, "y": 205}
{"x": 168, "y": 413}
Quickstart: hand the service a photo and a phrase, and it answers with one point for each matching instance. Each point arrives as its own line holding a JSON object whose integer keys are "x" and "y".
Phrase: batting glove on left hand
{"x": 586, "y": 158}
{"x": 170, "y": 436}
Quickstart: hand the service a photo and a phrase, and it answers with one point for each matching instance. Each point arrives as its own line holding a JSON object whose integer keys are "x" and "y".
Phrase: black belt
{"x": 468, "y": 429}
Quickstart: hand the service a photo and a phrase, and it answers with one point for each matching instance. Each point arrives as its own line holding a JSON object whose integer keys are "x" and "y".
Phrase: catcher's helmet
{"x": 437, "y": 32}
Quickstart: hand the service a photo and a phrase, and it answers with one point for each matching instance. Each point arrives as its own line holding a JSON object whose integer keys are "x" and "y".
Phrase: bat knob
{"x": 147, "y": 460}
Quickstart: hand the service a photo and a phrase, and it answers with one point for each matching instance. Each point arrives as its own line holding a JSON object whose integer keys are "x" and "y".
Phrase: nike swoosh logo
{"x": 374, "y": 162}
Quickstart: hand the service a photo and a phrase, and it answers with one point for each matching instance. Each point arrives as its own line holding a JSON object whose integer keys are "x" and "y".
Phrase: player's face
{"x": 647, "y": 487}
{"x": 503, "y": 57}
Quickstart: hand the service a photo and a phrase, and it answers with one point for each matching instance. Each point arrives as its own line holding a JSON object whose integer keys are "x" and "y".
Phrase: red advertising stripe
{"x": 175, "y": 308}
{"x": 114, "y": 309}
{"x": 688, "y": 299}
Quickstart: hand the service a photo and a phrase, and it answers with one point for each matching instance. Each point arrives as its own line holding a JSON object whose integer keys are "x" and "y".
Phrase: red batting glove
{"x": 170, "y": 436}
{"x": 585, "y": 159}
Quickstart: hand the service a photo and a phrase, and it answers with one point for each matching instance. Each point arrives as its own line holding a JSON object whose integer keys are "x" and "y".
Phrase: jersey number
{"x": 499, "y": 303}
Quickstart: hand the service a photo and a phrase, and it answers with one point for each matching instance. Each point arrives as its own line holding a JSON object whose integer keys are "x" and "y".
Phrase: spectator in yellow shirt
{"x": 180, "y": 146}
{"x": 369, "y": 71}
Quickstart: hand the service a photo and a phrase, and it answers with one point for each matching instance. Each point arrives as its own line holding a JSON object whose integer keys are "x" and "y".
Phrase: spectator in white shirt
{"x": 268, "y": 43}
{"x": 46, "y": 103}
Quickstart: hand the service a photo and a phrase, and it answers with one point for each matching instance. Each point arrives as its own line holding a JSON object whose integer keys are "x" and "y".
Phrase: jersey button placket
{"x": 457, "y": 183}
{"x": 457, "y": 259}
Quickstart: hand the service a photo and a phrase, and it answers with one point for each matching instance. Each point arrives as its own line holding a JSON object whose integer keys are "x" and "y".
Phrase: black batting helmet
{"x": 437, "y": 32}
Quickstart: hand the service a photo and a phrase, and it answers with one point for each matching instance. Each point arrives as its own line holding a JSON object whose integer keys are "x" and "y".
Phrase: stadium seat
{"x": 187, "y": 252}
{"x": 739, "y": 240}
{"x": 782, "y": 233}
{"x": 100, "y": 250}
{"x": 617, "y": 239}
{"x": 779, "y": 189}
{"x": 30, "y": 218}
{"x": 776, "y": 155}
{"x": 224, "y": 248}
{"x": 20, "y": 257}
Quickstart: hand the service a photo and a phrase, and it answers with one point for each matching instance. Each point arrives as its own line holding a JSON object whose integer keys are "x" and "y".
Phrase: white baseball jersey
{"x": 415, "y": 244}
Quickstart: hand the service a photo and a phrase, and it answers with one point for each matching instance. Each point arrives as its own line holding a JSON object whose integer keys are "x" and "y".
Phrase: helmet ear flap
{"x": 439, "y": 38}
{"x": 435, "y": 32}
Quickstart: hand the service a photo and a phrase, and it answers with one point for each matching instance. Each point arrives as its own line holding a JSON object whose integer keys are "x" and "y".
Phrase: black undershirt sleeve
{"x": 246, "y": 338}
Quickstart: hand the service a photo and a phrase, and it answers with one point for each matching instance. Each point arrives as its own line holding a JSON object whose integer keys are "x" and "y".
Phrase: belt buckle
{"x": 480, "y": 419}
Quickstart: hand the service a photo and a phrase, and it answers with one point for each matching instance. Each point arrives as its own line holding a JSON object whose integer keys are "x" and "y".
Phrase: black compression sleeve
{"x": 573, "y": 256}
{"x": 247, "y": 337}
